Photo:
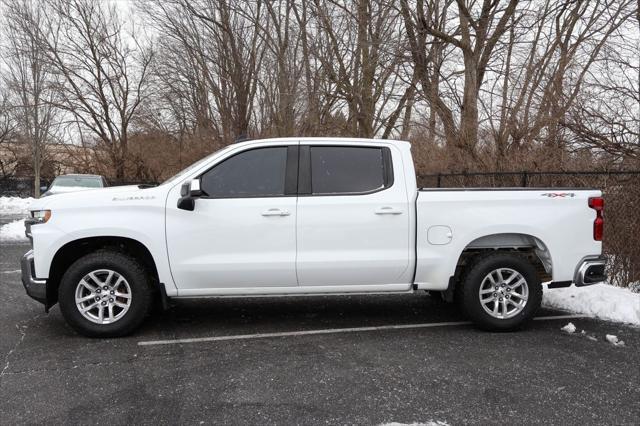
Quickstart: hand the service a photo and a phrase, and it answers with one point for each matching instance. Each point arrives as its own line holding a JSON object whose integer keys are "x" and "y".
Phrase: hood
{"x": 84, "y": 197}
{"x": 65, "y": 189}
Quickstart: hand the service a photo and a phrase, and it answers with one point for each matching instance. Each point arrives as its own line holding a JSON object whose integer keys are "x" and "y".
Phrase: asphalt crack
{"x": 81, "y": 366}
{"x": 22, "y": 328}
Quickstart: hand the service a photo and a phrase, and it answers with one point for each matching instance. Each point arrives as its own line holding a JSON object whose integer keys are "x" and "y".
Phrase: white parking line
{"x": 327, "y": 331}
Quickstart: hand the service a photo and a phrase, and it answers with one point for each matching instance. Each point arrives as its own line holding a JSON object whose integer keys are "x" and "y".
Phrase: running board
{"x": 295, "y": 291}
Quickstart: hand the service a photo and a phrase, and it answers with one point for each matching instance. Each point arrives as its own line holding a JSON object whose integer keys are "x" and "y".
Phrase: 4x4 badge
{"x": 558, "y": 194}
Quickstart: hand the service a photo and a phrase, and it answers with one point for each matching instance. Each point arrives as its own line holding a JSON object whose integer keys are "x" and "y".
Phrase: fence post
{"x": 439, "y": 182}
{"x": 524, "y": 179}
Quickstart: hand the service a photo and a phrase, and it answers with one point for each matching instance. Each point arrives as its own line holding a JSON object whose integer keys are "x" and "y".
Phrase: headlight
{"x": 41, "y": 216}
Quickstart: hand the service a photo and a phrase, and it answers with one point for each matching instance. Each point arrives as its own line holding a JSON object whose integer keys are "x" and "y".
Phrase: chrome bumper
{"x": 590, "y": 271}
{"x": 35, "y": 288}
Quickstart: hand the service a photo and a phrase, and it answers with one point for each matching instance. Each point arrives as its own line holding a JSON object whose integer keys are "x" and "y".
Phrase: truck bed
{"x": 450, "y": 221}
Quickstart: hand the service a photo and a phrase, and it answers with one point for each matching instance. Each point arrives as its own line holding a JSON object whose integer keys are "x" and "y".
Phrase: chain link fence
{"x": 18, "y": 186}
{"x": 621, "y": 190}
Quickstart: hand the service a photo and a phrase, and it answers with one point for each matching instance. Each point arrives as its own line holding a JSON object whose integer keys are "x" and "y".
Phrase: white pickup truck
{"x": 307, "y": 216}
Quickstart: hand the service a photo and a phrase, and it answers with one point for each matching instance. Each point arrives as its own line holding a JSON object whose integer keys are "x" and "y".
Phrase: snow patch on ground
{"x": 14, "y": 205}
{"x": 602, "y": 301}
{"x": 613, "y": 339}
{"x": 569, "y": 328}
{"x": 13, "y": 231}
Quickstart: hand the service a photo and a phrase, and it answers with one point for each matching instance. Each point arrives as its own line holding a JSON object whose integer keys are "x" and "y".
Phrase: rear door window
{"x": 346, "y": 170}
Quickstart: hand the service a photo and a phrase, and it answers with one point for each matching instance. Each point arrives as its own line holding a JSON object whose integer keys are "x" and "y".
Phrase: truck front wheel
{"x": 500, "y": 292}
{"x": 105, "y": 294}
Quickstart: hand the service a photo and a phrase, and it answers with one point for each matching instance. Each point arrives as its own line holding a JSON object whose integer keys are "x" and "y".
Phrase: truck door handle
{"x": 388, "y": 210}
{"x": 275, "y": 212}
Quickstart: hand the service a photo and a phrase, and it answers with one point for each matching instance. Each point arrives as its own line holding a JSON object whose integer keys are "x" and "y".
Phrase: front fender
{"x": 144, "y": 224}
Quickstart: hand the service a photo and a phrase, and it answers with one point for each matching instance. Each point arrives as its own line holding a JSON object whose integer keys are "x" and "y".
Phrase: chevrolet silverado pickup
{"x": 311, "y": 216}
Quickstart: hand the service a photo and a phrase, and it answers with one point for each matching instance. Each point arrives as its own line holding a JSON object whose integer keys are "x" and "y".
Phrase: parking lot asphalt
{"x": 450, "y": 373}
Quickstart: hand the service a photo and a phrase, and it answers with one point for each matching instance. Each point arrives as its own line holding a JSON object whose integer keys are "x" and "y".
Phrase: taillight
{"x": 597, "y": 203}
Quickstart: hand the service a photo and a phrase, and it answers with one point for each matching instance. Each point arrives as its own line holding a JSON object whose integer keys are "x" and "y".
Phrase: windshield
{"x": 77, "y": 181}
{"x": 196, "y": 164}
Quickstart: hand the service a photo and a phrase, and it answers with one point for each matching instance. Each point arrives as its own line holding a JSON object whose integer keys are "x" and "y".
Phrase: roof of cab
{"x": 321, "y": 139}
{"x": 79, "y": 175}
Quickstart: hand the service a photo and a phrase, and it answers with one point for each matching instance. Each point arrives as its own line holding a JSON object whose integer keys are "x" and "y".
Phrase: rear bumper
{"x": 36, "y": 288}
{"x": 591, "y": 270}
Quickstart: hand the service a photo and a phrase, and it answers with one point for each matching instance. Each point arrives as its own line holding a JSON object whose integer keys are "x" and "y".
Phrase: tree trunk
{"x": 36, "y": 170}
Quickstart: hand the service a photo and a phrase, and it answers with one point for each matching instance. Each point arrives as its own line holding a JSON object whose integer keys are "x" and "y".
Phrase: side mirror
{"x": 189, "y": 191}
{"x": 194, "y": 188}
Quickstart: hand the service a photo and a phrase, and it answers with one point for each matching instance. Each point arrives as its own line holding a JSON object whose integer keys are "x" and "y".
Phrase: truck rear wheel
{"x": 105, "y": 294}
{"x": 500, "y": 292}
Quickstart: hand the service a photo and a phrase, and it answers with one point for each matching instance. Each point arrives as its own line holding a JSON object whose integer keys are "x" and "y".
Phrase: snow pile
{"x": 613, "y": 339}
{"x": 13, "y": 231}
{"x": 14, "y": 205}
{"x": 600, "y": 301}
{"x": 569, "y": 328}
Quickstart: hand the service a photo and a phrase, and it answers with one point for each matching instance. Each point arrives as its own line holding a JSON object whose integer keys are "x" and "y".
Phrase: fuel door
{"x": 439, "y": 235}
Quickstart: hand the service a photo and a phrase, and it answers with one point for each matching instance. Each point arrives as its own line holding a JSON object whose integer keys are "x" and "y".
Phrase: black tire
{"x": 469, "y": 288}
{"x": 130, "y": 269}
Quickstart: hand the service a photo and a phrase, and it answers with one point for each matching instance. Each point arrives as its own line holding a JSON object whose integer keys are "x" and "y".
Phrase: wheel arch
{"x": 74, "y": 250}
{"x": 527, "y": 245}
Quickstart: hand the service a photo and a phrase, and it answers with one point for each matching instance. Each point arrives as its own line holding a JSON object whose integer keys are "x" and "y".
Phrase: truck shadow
{"x": 265, "y": 314}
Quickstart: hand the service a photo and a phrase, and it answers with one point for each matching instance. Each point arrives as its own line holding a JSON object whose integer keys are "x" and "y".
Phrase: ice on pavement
{"x": 13, "y": 231}
{"x": 602, "y": 301}
{"x": 613, "y": 339}
{"x": 14, "y": 205}
{"x": 569, "y": 328}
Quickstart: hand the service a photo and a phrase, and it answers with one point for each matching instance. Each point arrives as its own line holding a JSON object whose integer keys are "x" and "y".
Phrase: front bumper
{"x": 36, "y": 288}
{"x": 591, "y": 270}
{"x": 28, "y": 223}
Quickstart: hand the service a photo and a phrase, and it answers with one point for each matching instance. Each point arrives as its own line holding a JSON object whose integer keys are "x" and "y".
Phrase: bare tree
{"x": 102, "y": 70}
{"x": 223, "y": 44}
{"x": 7, "y": 127}
{"x": 29, "y": 79}
{"x": 606, "y": 114}
{"x": 478, "y": 80}
{"x": 360, "y": 52}
{"x": 181, "y": 104}
{"x": 232, "y": 30}
{"x": 568, "y": 40}
{"x": 281, "y": 70}
{"x": 511, "y": 72}
{"x": 478, "y": 30}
